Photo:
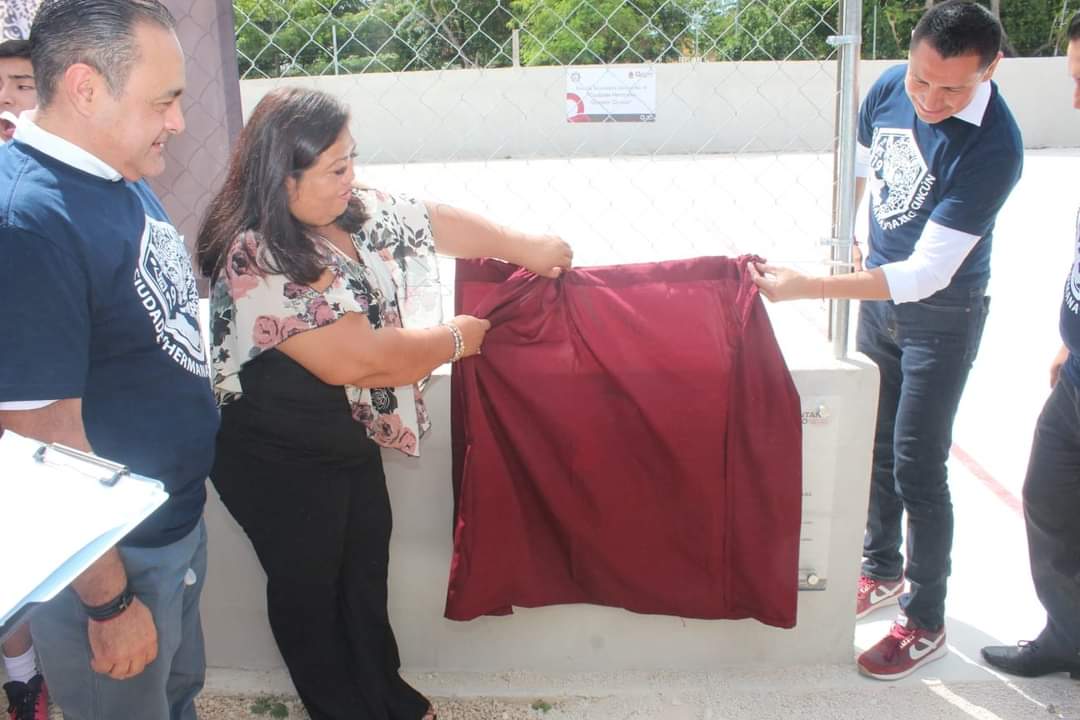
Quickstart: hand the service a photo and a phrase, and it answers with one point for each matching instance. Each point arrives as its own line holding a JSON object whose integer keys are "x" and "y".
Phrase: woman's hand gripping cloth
{"x": 629, "y": 437}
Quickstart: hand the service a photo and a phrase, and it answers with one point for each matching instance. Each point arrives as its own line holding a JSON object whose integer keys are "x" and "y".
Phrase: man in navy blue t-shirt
{"x": 939, "y": 152}
{"x": 102, "y": 349}
{"x": 1052, "y": 487}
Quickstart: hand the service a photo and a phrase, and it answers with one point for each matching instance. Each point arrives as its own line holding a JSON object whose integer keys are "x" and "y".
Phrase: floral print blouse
{"x": 251, "y": 311}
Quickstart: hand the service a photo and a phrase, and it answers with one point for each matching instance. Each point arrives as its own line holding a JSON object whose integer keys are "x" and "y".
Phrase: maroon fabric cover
{"x": 630, "y": 437}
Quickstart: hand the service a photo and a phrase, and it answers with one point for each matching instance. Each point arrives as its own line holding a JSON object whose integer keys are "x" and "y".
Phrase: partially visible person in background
{"x": 1052, "y": 487}
{"x": 17, "y": 90}
{"x": 28, "y": 698}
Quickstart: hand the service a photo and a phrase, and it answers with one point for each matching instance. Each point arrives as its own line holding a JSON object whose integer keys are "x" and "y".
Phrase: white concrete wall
{"x": 701, "y": 108}
{"x": 582, "y": 637}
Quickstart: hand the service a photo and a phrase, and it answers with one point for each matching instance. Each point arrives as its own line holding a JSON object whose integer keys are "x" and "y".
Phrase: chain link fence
{"x": 278, "y": 38}
{"x": 726, "y": 148}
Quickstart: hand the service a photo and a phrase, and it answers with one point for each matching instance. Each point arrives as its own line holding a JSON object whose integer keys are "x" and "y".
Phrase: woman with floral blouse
{"x": 315, "y": 372}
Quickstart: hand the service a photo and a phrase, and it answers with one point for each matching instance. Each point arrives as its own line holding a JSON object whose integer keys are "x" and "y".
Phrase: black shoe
{"x": 1027, "y": 659}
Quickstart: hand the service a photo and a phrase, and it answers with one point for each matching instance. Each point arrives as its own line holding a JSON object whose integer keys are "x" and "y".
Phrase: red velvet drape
{"x": 630, "y": 437}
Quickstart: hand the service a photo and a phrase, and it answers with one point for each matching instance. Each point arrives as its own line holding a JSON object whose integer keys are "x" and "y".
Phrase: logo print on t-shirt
{"x": 165, "y": 283}
{"x": 899, "y": 180}
{"x": 1072, "y": 288}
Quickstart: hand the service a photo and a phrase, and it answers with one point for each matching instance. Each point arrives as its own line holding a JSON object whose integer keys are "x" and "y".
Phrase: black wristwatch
{"x": 111, "y": 609}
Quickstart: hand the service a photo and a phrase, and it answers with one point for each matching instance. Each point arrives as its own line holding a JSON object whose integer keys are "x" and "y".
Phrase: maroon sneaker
{"x": 903, "y": 651}
{"x": 873, "y": 594}
{"x": 28, "y": 700}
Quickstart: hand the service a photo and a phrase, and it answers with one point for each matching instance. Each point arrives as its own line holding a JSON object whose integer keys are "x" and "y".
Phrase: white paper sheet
{"x": 58, "y": 519}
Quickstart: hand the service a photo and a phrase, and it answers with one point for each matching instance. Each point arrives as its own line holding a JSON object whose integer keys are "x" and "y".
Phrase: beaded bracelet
{"x": 459, "y": 341}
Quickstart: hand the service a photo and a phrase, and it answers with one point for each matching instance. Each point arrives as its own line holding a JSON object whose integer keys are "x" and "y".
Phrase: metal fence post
{"x": 850, "y": 42}
{"x": 337, "y": 65}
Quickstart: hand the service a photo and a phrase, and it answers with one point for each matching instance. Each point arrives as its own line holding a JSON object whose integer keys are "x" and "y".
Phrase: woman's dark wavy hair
{"x": 286, "y": 133}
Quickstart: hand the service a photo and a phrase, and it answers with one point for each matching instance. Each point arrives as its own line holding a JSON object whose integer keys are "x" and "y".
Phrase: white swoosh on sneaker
{"x": 925, "y": 647}
{"x": 880, "y": 593}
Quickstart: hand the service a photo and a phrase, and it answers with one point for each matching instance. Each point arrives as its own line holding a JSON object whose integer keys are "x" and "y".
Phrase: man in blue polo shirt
{"x": 939, "y": 152}
{"x": 102, "y": 347}
{"x": 1052, "y": 487}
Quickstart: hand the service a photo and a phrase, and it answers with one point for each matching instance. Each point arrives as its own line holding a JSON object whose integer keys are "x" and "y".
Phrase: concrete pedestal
{"x": 839, "y": 402}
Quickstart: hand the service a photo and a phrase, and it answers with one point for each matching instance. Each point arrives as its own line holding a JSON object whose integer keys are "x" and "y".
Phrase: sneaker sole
{"x": 936, "y": 655}
{"x": 887, "y": 602}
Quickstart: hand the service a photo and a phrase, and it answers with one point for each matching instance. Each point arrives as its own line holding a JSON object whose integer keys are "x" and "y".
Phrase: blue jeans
{"x": 923, "y": 351}
{"x": 166, "y": 689}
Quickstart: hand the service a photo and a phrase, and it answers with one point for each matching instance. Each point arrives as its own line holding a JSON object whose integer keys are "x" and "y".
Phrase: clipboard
{"x": 63, "y": 510}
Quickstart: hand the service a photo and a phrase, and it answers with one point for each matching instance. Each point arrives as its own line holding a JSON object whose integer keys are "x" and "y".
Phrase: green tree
{"x": 887, "y": 26}
{"x": 277, "y": 38}
{"x": 453, "y": 33}
{"x": 771, "y": 29}
{"x": 1032, "y": 27}
{"x": 1037, "y": 27}
{"x": 565, "y": 32}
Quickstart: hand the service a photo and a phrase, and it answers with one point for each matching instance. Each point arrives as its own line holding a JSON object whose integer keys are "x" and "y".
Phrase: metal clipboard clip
{"x": 106, "y": 472}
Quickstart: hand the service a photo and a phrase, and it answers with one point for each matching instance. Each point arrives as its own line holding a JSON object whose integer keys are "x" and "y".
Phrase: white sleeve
{"x": 862, "y": 160}
{"x": 938, "y": 254}
{"x": 25, "y": 404}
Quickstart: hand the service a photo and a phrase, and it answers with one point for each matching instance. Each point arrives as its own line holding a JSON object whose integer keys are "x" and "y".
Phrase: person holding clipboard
{"x": 102, "y": 346}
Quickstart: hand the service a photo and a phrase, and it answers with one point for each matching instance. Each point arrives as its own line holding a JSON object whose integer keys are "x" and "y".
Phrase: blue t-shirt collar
{"x": 63, "y": 150}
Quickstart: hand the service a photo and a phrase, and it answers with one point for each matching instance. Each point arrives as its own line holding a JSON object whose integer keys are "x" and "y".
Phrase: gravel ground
{"x": 224, "y": 707}
{"x": 747, "y": 698}
{"x": 930, "y": 700}
{"x": 237, "y": 707}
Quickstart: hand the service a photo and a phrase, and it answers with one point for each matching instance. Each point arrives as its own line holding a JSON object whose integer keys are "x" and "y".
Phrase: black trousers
{"x": 320, "y": 524}
{"x": 1052, "y": 516}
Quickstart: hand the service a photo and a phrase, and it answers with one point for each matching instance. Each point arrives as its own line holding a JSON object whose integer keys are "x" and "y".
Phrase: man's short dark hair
{"x": 960, "y": 27}
{"x": 1074, "y": 28}
{"x": 15, "y": 49}
{"x": 98, "y": 33}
